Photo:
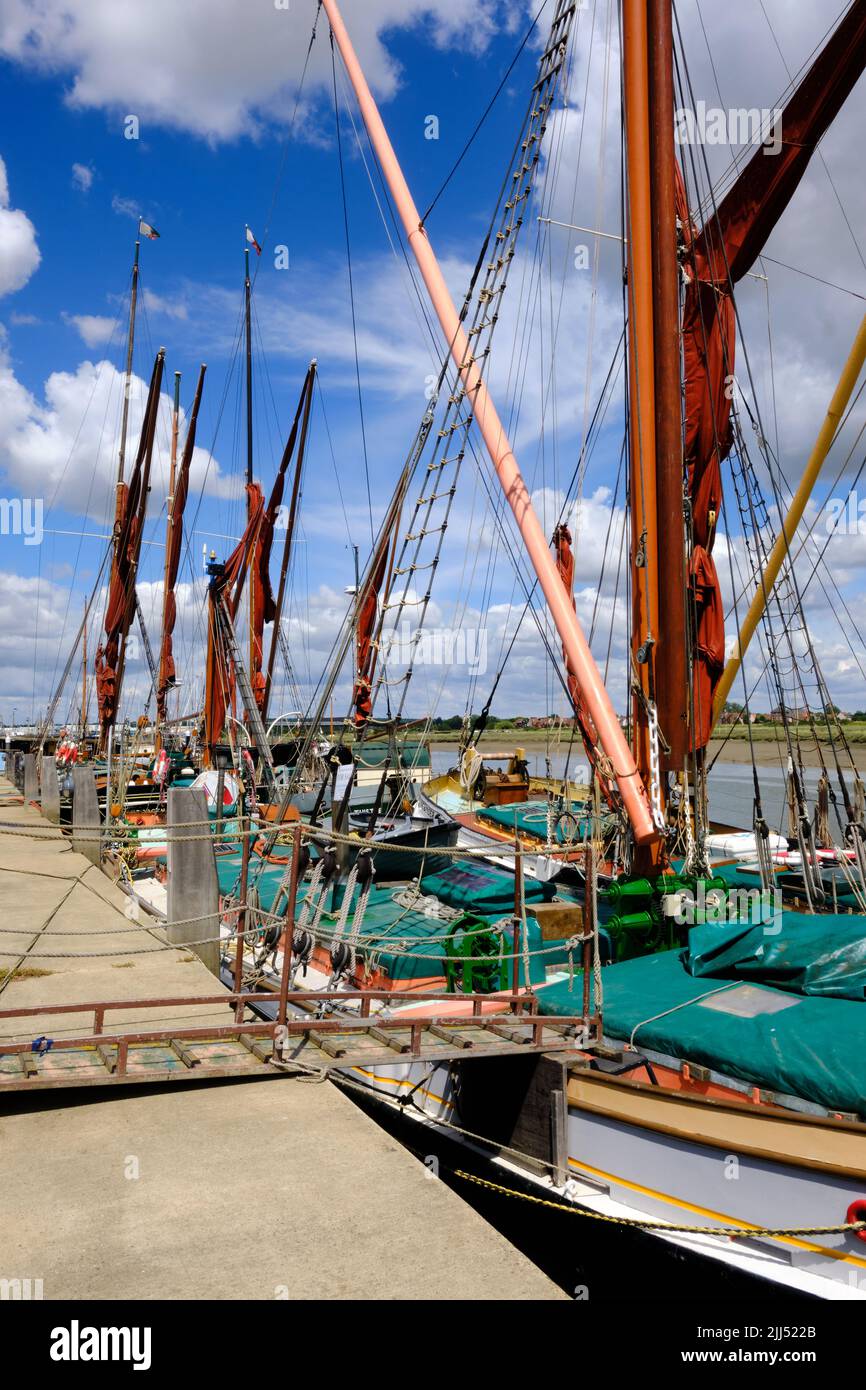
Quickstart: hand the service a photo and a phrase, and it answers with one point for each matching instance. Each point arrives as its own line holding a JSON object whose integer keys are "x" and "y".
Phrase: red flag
{"x": 251, "y": 239}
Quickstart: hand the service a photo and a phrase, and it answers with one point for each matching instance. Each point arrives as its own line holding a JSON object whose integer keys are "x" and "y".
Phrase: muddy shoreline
{"x": 767, "y": 752}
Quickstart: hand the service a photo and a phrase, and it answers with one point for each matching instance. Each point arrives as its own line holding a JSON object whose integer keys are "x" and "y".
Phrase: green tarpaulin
{"x": 822, "y": 954}
{"x": 809, "y": 1046}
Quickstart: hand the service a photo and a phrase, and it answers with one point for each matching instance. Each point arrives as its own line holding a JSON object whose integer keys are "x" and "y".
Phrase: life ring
{"x": 857, "y": 1212}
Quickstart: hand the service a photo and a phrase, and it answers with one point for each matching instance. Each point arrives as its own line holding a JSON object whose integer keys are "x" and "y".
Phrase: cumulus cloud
{"x": 229, "y": 69}
{"x": 63, "y": 448}
{"x": 19, "y": 254}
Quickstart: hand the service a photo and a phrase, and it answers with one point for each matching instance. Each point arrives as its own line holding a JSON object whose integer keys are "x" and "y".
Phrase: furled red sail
{"x": 376, "y": 583}
{"x": 167, "y": 672}
{"x": 366, "y": 648}
{"x": 264, "y": 604}
{"x": 716, "y": 258}
{"x": 131, "y": 508}
{"x": 226, "y": 588}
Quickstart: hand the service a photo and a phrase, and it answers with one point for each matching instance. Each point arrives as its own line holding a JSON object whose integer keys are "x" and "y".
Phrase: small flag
{"x": 145, "y": 229}
{"x": 251, "y": 239}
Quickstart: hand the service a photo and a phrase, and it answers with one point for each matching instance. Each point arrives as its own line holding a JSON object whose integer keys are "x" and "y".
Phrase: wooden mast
{"x": 579, "y": 656}
{"x": 130, "y": 341}
{"x": 84, "y": 676}
{"x": 642, "y": 403}
{"x": 249, "y": 474}
{"x": 169, "y": 527}
{"x": 290, "y": 531}
{"x": 672, "y": 672}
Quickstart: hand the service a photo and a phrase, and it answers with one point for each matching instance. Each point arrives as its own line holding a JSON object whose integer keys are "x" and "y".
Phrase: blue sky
{"x": 213, "y": 88}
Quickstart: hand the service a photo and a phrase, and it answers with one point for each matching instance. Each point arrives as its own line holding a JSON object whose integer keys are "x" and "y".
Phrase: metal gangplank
{"x": 497, "y": 1026}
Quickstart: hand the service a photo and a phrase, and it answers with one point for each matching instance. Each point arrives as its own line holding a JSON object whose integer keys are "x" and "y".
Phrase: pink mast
{"x": 579, "y": 656}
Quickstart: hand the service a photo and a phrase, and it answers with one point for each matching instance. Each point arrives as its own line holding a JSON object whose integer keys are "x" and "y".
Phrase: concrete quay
{"x": 154, "y": 1191}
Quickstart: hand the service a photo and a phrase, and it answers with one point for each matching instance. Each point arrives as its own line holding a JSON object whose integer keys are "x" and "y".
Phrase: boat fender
{"x": 857, "y": 1212}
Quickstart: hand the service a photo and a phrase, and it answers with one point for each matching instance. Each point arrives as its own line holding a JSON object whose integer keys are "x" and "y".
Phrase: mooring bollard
{"x": 50, "y": 800}
{"x": 193, "y": 883}
{"x": 87, "y": 831}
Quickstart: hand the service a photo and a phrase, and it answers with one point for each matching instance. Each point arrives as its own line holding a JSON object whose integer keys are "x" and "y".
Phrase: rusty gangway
{"x": 497, "y": 1026}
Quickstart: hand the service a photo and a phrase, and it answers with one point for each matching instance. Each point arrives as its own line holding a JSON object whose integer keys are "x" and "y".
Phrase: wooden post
{"x": 31, "y": 778}
{"x": 50, "y": 791}
{"x": 86, "y": 827}
{"x": 193, "y": 884}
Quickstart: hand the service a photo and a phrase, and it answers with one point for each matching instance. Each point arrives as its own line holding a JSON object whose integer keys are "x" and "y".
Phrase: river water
{"x": 731, "y": 785}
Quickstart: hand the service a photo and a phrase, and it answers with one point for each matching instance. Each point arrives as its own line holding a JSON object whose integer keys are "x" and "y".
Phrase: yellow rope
{"x": 661, "y": 1225}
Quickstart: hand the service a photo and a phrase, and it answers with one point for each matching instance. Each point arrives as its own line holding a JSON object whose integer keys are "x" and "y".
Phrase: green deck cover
{"x": 809, "y": 1046}
{"x": 529, "y": 817}
{"x": 808, "y": 954}
{"x": 482, "y": 888}
{"x": 386, "y": 919}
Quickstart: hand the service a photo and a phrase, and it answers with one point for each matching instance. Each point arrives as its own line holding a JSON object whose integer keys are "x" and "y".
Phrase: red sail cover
{"x": 219, "y": 679}
{"x": 366, "y": 648}
{"x": 167, "y": 671}
{"x": 108, "y": 652}
{"x": 716, "y": 258}
{"x": 131, "y": 506}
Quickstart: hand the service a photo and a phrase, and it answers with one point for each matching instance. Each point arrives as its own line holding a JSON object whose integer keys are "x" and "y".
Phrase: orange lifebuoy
{"x": 857, "y": 1212}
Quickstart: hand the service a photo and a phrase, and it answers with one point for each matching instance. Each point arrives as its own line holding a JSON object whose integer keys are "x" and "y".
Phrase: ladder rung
{"x": 390, "y": 1039}
{"x": 449, "y": 1035}
{"x": 188, "y": 1058}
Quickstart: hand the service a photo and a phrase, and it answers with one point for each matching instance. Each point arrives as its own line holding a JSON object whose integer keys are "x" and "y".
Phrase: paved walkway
{"x": 208, "y": 1190}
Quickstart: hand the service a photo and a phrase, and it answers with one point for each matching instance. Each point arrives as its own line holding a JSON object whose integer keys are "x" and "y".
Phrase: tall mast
{"x": 290, "y": 531}
{"x": 169, "y": 526}
{"x": 592, "y": 688}
{"x": 672, "y": 673}
{"x": 642, "y": 402}
{"x": 249, "y": 475}
{"x": 127, "y": 385}
{"x": 84, "y": 675}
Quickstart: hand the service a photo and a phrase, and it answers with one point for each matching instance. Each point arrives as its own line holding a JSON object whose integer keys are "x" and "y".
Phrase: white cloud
{"x": 19, "y": 254}
{"x": 159, "y": 304}
{"x": 229, "y": 68}
{"x": 95, "y": 329}
{"x": 64, "y": 448}
{"x": 82, "y": 177}
{"x": 125, "y": 207}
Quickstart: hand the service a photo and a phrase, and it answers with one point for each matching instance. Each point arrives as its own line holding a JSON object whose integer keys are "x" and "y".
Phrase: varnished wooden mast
{"x": 642, "y": 402}
{"x": 672, "y": 672}
{"x": 249, "y": 475}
